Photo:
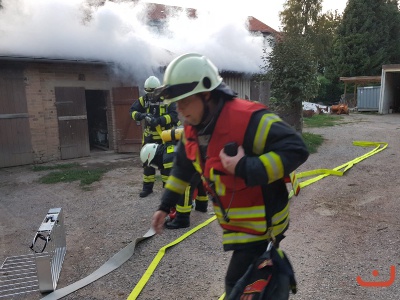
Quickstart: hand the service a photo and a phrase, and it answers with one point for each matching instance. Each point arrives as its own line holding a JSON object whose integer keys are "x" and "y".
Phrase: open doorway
{"x": 96, "y": 107}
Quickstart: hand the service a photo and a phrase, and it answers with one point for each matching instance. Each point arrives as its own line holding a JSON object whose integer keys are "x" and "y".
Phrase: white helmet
{"x": 147, "y": 153}
{"x": 151, "y": 83}
{"x": 187, "y": 75}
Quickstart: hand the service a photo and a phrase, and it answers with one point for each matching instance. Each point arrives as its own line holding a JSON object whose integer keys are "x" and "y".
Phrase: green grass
{"x": 85, "y": 176}
{"x": 323, "y": 120}
{"x": 312, "y": 141}
{"x": 55, "y": 167}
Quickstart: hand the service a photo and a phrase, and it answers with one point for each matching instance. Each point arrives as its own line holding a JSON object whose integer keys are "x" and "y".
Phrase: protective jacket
{"x": 166, "y": 114}
{"x": 255, "y": 199}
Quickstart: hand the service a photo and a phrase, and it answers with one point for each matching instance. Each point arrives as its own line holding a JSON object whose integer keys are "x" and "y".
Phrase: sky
{"x": 266, "y": 11}
{"x": 115, "y": 32}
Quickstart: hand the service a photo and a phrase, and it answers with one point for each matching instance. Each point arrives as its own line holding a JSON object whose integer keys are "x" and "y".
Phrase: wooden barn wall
{"x": 15, "y": 137}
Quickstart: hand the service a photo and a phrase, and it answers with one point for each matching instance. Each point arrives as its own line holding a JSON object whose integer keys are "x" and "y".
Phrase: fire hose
{"x": 113, "y": 263}
{"x": 123, "y": 255}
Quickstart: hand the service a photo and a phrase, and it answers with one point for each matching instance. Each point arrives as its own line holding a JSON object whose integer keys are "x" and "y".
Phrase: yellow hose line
{"x": 146, "y": 276}
{"x": 321, "y": 173}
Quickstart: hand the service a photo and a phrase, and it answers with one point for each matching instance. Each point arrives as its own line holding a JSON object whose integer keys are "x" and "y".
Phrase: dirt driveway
{"x": 341, "y": 227}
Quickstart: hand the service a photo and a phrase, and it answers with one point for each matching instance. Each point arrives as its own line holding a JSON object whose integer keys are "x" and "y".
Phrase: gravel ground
{"x": 341, "y": 227}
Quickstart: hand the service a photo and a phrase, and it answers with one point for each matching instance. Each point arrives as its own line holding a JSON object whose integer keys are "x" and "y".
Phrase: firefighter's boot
{"x": 182, "y": 220}
{"x": 201, "y": 206}
{"x": 145, "y": 193}
{"x": 147, "y": 189}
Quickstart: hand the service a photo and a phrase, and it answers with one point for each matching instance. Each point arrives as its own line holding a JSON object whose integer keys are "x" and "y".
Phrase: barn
{"x": 52, "y": 109}
{"x": 62, "y": 108}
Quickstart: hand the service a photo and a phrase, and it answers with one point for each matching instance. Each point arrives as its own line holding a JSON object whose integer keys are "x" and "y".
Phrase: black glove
{"x": 152, "y": 121}
{"x": 139, "y": 116}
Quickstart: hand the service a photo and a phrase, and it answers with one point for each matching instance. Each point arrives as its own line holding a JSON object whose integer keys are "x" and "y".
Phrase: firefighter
{"x": 162, "y": 155}
{"x": 242, "y": 152}
{"x": 158, "y": 117}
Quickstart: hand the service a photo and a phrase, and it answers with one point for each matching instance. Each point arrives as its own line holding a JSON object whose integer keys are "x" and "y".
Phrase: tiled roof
{"x": 257, "y": 25}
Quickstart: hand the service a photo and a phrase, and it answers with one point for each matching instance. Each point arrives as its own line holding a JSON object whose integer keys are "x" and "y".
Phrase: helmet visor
{"x": 169, "y": 92}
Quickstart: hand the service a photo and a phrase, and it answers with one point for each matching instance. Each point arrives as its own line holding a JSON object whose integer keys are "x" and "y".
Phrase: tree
{"x": 292, "y": 70}
{"x": 367, "y": 38}
{"x": 291, "y": 65}
{"x": 299, "y": 16}
{"x": 323, "y": 36}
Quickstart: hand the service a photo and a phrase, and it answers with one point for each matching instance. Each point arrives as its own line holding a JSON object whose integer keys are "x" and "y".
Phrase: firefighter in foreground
{"x": 158, "y": 117}
{"x": 161, "y": 156}
{"x": 250, "y": 197}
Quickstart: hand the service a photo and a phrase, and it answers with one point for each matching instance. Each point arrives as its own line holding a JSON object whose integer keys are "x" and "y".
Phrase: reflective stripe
{"x": 149, "y": 178}
{"x": 171, "y": 149}
{"x": 164, "y": 178}
{"x": 280, "y": 216}
{"x": 176, "y": 185}
{"x": 167, "y": 119}
{"x": 185, "y": 208}
{"x": 155, "y": 134}
{"x": 241, "y": 238}
{"x": 141, "y": 100}
{"x": 273, "y": 166}
{"x": 197, "y": 164}
{"x": 252, "y": 212}
{"x": 202, "y": 198}
{"x": 220, "y": 188}
{"x": 262, "y": 132}
{"x": 162, "y": 110}
{"x": 279, "y": 223}
{"x": 168, "y": 165}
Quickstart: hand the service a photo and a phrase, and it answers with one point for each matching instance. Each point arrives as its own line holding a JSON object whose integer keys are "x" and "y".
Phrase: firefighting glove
{"x": 139, "y": 116}
{"x": 152, "y": 121}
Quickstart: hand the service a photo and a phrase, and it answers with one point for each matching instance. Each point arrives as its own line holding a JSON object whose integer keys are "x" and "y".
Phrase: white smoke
{"x": 116, "y": 32}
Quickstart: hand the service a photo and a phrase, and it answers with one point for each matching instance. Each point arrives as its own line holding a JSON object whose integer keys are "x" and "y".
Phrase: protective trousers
{"x": 194, "y": 190}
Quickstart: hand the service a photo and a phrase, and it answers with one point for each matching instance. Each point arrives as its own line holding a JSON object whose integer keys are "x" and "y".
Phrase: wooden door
{"x": 128, "y": 131}
{"x": 15, "y": 135}
{"x": 72, "y": 122}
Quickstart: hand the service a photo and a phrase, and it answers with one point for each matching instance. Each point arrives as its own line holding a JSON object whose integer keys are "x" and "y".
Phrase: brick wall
{"x": 40, "y": 80}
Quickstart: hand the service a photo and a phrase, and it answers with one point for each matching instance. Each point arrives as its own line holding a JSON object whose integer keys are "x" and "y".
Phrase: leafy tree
{"x": 299, "y": 16}
{"x": 367, "y": 37}
{"x": 392, "y": 17}
{"x": 291, "y": 66}
{"x": 323, "y": 36}
{"x": 292, "y": 70}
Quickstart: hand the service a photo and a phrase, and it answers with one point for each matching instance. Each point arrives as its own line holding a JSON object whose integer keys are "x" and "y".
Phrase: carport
{"x": 357, "y": 81}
